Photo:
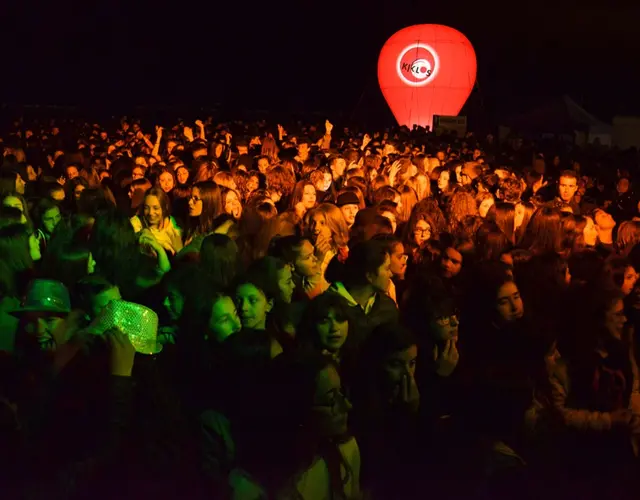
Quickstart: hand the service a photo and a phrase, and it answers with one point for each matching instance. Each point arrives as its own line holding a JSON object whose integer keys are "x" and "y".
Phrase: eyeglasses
{"x": 422, "y": 231}
{"x": 195, "y": 199}
{"x": 448, "y": 320}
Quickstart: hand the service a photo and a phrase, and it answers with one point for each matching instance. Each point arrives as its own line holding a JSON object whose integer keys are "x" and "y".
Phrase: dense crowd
{"x": 342, "y": 314}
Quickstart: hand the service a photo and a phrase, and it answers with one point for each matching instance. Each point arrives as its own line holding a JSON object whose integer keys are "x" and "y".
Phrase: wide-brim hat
{"x": 138, "y": 322}
{"x": 45, "y": 296}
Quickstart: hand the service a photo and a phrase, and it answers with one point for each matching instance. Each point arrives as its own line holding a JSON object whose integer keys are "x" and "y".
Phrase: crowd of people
{"x": 342, "y": 314}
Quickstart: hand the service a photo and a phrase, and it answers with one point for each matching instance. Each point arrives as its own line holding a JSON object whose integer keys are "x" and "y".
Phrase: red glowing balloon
{"x": 426, "y": 70}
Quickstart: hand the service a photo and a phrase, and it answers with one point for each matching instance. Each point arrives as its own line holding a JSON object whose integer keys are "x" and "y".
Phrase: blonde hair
{"x": 628, "y": 236}
{"x": 335, "y": 221}
{"x": 225, "y": 179}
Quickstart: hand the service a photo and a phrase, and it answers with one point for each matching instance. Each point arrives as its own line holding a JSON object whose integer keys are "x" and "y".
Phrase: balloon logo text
{"x": 417, "y": 65}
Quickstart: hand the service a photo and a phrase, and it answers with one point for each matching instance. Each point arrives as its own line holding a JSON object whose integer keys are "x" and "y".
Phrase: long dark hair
{"x": 163, "y": 199}
{"x": 211, "y": 208}
{"x": 114, "y": 246}
{"x": 219, "y": 258}
{"x": 284, "y": 446}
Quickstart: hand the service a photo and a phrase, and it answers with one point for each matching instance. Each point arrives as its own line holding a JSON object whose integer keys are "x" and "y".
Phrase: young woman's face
{"x": 615, "y": 319}
{"x": 509, "y": 303}
{"x": 421, "y": 232}
{"x": 445, "y": 328}
{"x": 232, "y": 205}
{"x": 77, "y": 191}
{"x": 398, "y": 261}
{"x": 381, "y": 279}
{"x": 443, "y": 179}
{"x": 450, "y": 263}
{"x": 50, "y": 219}
{"x": 224, "y": 320}
{"x": 253, "y": 306}
{"x": 330, "y": 407}
{"x": 309, "y": 196}
{"x": 174, "y": 303}
{"x": 306, "y": 263}
{"x": 326, "y": 183}
{"x": 166, "y": 181}
{"x": 332, "y": 331}
{"x": 252, "y": 184}
{"x": 263, "y": 165}
{"x": 590, "y": 232}
{"x": 286, "y": 284}
{"x": 183, "y": 175}
{"x": 152, "y": 210}
{"x": 195, "y": 203}
{"x": 400, "y": 364}
{"x": 318, "y": 226}
{"x": 630, "y": 278}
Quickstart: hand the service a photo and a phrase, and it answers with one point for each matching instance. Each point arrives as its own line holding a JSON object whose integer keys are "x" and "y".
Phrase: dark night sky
{"x": 317, "y": 56}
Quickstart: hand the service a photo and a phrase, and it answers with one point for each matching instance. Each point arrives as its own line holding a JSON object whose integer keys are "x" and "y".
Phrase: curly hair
{"x": 460, "y": 204}
{"x": 281, "y": 179}
{"x": 510, "y": 189}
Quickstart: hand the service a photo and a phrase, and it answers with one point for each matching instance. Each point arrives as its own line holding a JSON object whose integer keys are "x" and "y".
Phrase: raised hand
{"x": 447, "y": 359}
{"x": 188, "y": 133}
{"x": 328, "y": 127}
{"x": 406, "y": 392}
{"x": 122, "y": 353}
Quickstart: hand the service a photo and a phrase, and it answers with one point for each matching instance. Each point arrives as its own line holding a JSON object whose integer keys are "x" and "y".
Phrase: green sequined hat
{"x": 45, "y": 296}
{"x": 139, "y": 323}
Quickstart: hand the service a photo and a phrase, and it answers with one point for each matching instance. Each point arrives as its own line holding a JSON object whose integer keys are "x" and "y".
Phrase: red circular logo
{"x": 417, "y": 64}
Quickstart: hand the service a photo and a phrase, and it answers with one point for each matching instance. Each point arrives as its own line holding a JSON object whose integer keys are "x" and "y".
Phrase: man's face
{"x": 567, "y": 187}
{"x": 72, "y": 173}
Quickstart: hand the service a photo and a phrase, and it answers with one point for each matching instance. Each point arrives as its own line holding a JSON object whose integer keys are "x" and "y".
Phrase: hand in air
{"x": 447, "y": 359}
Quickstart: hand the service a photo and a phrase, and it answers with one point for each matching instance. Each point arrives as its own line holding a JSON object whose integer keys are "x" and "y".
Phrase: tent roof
{"x": 560, "y": 115}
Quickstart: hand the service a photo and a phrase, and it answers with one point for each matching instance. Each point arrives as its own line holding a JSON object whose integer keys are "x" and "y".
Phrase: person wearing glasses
{"x": 205, "y": 205}
{"x": 419, "y": 229}
{"x": 305, "y": 448}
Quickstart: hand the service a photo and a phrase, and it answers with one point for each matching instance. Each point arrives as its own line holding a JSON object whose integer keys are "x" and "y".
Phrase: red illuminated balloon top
{"x": 426, "y": 70}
